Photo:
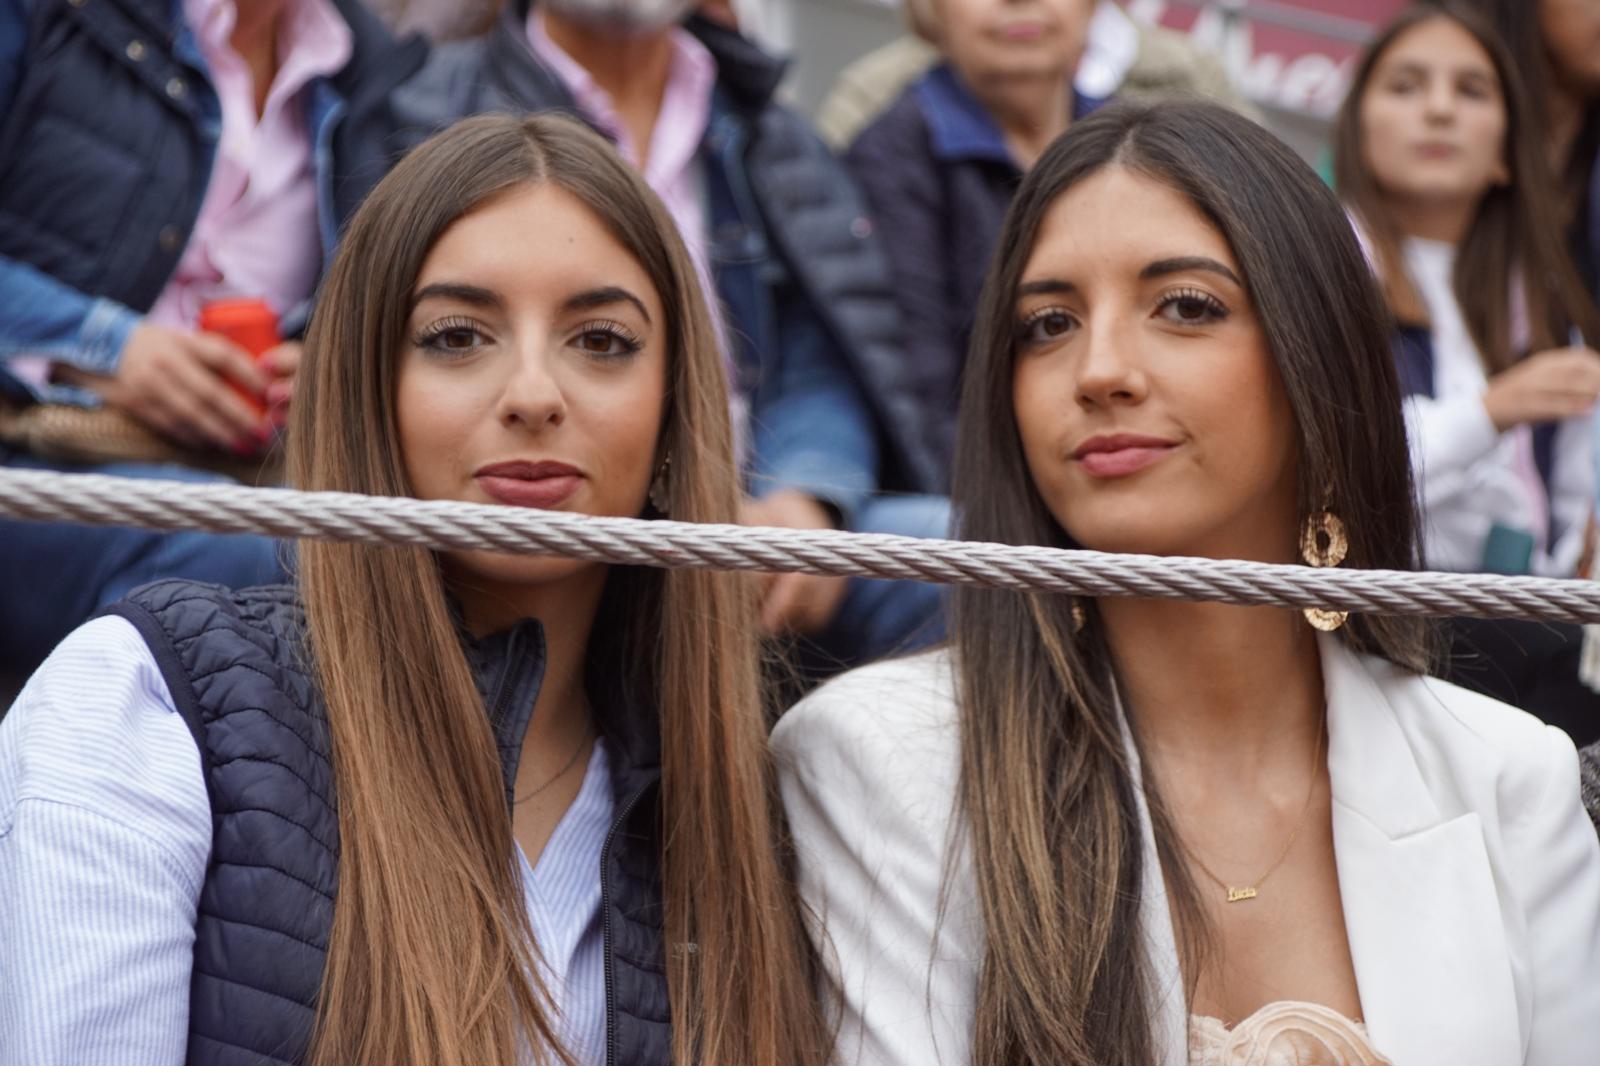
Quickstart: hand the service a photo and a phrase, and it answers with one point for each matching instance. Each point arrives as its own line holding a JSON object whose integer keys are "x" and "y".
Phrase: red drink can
{"x": 248, "y": 322}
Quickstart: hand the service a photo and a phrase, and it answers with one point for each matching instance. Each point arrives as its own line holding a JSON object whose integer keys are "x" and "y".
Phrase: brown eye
{"x": 598, "y": 342}
{"x": 606, "y": 340}
{"x": 1044, "y": 326}
{"x": 1192, "y": 308}
{"x": 451, "y": 337}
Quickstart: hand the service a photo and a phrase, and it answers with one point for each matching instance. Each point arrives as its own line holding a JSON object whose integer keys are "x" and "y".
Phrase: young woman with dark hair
{"x": 1128, "y": 832}
{"x": 1438, "y": 161}
{"x": 433, "y": 809}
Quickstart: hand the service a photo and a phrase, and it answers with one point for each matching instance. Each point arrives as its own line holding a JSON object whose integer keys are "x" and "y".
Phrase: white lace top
{"x": 1286, "y": 1033}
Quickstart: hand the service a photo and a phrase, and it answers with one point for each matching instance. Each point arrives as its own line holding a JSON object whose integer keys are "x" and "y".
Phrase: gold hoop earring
{"x": 661, "y": 487}
{"x": 1080, "y": 616}
{"x": 1323, "y": 543}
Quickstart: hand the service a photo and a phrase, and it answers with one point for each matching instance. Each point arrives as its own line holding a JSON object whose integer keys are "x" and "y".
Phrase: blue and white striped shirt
{"x": 105, "y": 834}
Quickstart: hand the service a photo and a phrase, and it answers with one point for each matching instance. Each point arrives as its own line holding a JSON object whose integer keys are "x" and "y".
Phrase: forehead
{"x": 1117, "y": 221}
{"x": 1438, "y": 44}
{"x": 532, "y": 241}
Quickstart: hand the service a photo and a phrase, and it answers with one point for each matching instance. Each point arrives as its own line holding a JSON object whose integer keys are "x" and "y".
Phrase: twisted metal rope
{"x": 97, "y": 499}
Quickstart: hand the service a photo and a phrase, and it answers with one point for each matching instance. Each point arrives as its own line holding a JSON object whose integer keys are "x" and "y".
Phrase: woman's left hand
{"x": 794, "y": 603}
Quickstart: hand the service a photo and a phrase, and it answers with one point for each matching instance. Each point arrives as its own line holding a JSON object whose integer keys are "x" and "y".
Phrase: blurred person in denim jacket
{"x": 782, "y": 240}
{"x": 154, "y": 156}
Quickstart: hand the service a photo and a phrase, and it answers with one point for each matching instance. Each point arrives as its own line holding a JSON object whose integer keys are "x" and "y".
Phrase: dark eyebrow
{"x": 608, "y": 294}
{"x": 1046, "y": 287}
{"x": 450, "y": 290}
{"x": 1177, "y": 265}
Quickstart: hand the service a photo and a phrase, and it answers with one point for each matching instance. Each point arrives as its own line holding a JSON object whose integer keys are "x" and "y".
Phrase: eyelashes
{"x": 619, "y": 339}
{"x": 1192, "y": 307}
{"x": 1181, "y": 307}
{"x": 438, "y": 336}
{"x": 601, "y": 339}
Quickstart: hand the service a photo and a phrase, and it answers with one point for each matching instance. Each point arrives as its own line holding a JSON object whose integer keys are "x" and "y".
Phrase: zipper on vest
{"x": 605, "y": 923}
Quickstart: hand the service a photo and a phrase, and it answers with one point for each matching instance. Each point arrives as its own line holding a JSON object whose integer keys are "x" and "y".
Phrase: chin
{"x": 1129, "y": 530}
{"x": 487, "y": 571}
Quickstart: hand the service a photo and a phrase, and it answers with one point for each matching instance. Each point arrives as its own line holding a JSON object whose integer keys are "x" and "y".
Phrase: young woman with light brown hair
{"x": 433, "y": 809}
{"x": 1130, "y": 832}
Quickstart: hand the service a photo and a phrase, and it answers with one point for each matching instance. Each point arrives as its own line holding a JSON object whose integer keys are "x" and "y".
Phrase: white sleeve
{"x": 870, "y": 813}
{"x": 1556, "y": 858}
{"x": 1448, "y": 436}
{"x": 105, "y": 833}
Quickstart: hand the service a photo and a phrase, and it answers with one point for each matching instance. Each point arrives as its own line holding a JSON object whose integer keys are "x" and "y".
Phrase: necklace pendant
{"x": 1237, "y": 894}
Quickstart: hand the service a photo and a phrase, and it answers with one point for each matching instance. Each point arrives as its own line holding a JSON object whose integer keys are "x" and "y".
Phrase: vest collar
{"x": 508, "y": 668}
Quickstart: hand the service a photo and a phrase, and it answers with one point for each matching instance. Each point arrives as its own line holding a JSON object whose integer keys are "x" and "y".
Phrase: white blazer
{"x": 1469, "y": 872}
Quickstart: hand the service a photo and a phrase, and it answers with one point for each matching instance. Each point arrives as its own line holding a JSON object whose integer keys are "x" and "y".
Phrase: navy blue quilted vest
{"x": 235, "y": 664}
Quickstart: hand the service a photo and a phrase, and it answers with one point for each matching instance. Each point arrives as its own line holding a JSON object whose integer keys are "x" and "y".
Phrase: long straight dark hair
{"x": 431, "y": 961}
{"x": 1048, "y": 791}
{"x": 1517, "y": 232}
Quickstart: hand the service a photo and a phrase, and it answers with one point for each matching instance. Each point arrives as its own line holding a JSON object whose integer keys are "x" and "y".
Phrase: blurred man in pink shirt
{"x": 153, "y": 157}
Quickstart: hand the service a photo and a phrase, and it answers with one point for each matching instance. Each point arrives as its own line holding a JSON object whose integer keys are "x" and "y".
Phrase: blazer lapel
{"x": 1171, "y": 1011}
{"x": 1421, "y": 912}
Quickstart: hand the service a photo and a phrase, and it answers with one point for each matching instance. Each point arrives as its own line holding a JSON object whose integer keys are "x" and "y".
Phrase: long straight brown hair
{"x": 1514, "y": 249}
{"x": 431, "y": 958}
{"x": 1048, "y": 792}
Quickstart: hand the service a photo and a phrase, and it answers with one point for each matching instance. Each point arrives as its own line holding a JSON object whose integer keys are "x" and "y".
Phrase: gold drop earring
{"x": 1323, "y": 543}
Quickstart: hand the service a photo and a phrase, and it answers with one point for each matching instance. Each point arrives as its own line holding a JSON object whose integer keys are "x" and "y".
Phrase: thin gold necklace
{"x": 559, "y": 774}
{"x": 1253, "y": 889}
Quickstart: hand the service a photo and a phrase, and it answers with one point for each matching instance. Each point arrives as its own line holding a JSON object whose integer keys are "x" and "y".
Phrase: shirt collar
{"x": 691, "y": 81}
{"x": 314, "y": 40}
{"x": 960, "y": 127}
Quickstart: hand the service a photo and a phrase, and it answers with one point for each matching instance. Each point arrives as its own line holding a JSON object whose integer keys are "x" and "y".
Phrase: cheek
{"x": 625, "y": 426}
{"x": 1383, "y": 138}
{"x": 430, "y": 426}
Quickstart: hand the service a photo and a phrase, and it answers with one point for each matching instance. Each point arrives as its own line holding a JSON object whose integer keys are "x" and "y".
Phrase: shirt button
{"x": 176, "y": 88}
{"x": 860, "y": 228}
{"x": 169, "y": 238}
{"x": 77, "y": 3}
{"x": 135, "y": 50}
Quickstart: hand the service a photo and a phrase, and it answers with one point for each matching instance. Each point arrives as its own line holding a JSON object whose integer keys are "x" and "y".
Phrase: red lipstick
{"x": 522, "y": 484}
{"x": 1121, "y": 454}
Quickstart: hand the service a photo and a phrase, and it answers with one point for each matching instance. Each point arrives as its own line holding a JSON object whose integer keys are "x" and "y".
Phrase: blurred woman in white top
{"x": 1440, "y": 164}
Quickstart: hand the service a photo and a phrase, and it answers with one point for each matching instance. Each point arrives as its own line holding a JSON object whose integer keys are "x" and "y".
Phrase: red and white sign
{"x": 1294, "y": 54}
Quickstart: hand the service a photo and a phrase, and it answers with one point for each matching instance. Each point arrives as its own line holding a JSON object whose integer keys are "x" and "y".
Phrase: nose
{"x": 1109, "y": 373}
{"x": 531, "y": 395}
{"x": 1440, "y": 100}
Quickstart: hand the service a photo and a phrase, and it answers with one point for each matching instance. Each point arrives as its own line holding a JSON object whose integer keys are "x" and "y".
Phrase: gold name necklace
{"x": 1253, "y": 889}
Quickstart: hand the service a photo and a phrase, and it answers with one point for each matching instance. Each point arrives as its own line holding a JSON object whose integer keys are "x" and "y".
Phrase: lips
{"x": 1021, "y": 31}
{"x": 522, "y": 484}
{"x": 1121, "y": 454}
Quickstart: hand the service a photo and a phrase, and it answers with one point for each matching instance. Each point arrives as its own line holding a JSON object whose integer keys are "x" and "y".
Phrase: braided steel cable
{"x": 97, "y": 499}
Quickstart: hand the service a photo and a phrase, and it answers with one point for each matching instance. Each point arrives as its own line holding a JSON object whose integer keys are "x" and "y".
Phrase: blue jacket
{"x": 806, "y": 289}
{"x": 939, "y": 178}
{"x": 234, "y": 664}
{"x": 108, "y": 130}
